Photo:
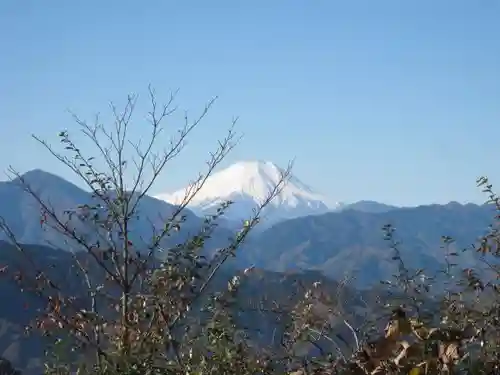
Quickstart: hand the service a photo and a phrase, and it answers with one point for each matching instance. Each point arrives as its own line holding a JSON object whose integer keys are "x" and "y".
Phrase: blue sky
{"x": 396, "y": 101}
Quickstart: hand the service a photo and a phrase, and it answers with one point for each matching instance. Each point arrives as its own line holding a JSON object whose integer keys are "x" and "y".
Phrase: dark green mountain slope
{"x": 352, "y": 242}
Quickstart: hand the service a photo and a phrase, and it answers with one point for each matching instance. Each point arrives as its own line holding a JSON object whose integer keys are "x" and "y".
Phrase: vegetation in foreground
{"x": 140, "y": 308}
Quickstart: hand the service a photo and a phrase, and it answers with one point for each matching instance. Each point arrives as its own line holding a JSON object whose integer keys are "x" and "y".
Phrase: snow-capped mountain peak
{"x": 248, "y": 183}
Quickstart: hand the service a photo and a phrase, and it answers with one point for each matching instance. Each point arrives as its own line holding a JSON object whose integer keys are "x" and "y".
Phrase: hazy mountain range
{"x": 23, "y": 213}
{"x": 352, "y": 242}
{"x": 345, "y": 238}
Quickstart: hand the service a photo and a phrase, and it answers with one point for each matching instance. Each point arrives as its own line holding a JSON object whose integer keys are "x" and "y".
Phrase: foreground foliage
{"x": 147, "y": 306}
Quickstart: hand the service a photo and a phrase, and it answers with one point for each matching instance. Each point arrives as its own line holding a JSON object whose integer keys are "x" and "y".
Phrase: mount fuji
{"x": 247, "y": 183}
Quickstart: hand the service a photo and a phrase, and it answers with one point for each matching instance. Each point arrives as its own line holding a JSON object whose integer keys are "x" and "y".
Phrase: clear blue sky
{"x": 396, "y": 101}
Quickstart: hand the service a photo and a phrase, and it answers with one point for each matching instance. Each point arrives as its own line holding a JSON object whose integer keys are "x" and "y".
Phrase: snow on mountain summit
{"x": 247, "y": 183}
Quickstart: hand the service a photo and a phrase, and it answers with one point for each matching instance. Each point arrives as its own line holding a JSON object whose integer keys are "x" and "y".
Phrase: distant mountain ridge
{"x": 22, "y": 213}
{"x": 352, "y": 242}
{"x": 334, "y": 242}
{"x": 367, "y": 206}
